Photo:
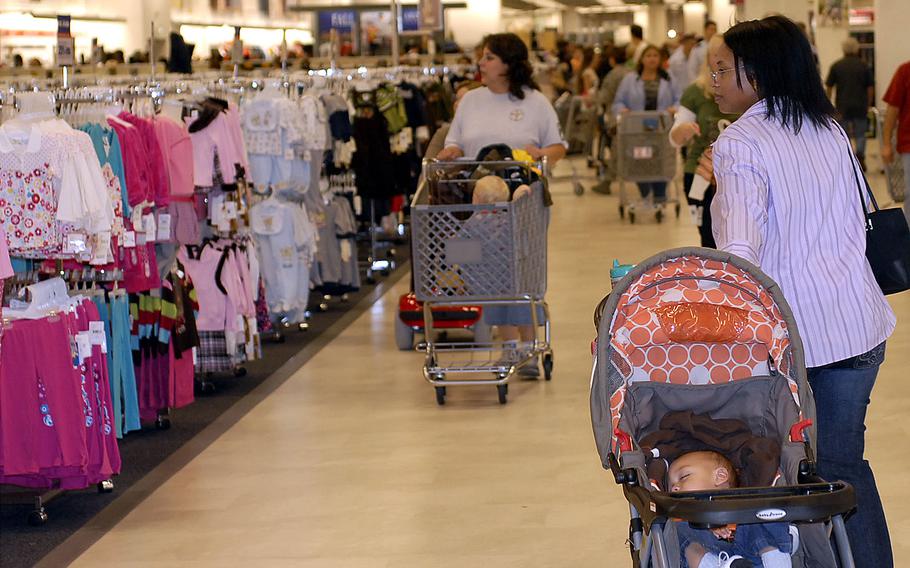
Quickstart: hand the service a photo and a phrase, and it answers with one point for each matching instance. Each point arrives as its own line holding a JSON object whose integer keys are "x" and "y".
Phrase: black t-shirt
{"x": 851, "y": 79}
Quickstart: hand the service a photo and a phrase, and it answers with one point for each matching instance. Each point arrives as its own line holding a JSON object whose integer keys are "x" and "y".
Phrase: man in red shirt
{"x": 898, "y": 99}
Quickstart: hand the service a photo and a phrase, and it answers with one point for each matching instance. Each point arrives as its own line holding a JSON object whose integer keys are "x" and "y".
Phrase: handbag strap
{"x": 856, "y": 176}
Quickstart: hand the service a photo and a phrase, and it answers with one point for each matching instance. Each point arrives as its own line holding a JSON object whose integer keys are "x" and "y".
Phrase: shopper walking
{"x": 649, "y": 89}
{"x": 698, "y": 123}
{"x": 679, "y": 69}
{"x": 700, "y": 51}
{"x": 508, "y": 110}
{"x": 853, "y": 85}
{"x": 898, "y": 114}
{"x": 788, "y": 201}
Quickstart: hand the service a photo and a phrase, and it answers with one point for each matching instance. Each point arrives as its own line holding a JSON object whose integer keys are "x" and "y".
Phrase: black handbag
{"x": 887, "y": 241}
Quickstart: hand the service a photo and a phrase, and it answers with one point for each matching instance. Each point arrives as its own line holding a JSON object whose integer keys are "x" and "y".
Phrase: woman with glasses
{"x": 650, "y": 88}
{"x": 787, "y": 200}
{"x": 698, "y": 123}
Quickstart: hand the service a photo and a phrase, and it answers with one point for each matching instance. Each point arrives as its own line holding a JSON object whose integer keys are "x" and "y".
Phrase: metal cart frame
{"x": 644, "y": 154}
{"x": 480, "y": 255}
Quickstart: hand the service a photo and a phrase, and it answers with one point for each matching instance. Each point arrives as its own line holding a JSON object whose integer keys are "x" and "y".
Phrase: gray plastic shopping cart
{"x": 577, "y": 121}
{"x": 642, "y": 153}
{"x": 482, "y": 255}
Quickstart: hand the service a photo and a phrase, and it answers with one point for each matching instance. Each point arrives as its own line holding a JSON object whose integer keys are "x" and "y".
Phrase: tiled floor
{"x": 352, "y": 464}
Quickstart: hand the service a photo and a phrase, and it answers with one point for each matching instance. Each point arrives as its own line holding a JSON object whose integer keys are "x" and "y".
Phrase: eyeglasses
{"x": 719, "y": 72}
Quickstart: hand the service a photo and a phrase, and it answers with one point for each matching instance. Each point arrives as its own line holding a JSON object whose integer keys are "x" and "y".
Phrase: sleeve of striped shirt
{"x": 740, "y": 209}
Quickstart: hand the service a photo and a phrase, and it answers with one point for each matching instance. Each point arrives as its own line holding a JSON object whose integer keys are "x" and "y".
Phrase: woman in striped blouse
{"x": 788, "y": 201}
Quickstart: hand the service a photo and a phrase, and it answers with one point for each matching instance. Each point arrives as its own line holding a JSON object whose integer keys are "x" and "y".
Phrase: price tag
{"x": 96, "y": 328}
{"x": 102, "y": 253}
{"x": 129, "y": 239}
{"x": 698, "y": 188}
{"x": 75, "y": 243}
{"x": 150, "y": 228}
{"x": 643, "y": 152}
{"x": 230, "y": 210}
{"x": 195, "y": 360}
{"x": 84, "y": 343}
{"x": 164, "y": 227}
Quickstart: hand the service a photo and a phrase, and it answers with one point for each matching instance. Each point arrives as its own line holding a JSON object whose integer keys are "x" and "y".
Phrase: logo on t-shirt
{"x": 516, "y": 115}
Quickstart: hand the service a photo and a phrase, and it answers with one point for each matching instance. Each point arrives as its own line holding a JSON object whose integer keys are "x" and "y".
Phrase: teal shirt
{"x": 107, "y": 146}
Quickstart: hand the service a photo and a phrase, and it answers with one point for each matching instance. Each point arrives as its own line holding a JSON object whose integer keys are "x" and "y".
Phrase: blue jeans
{"x": 842, "y": 392}
{"x": 658, "y": 187}
{"x": 856, "y": 129}
{"x": 748, "y": 541}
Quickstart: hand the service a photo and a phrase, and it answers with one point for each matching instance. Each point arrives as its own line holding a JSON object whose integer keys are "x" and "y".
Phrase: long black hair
{"x": 513, "y": 53}
{"x": 778, "y": 60}
{"x": 661, "y": 73}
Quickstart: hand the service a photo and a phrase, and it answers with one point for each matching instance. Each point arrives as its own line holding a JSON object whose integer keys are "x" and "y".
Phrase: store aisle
{"x": 351, "y": 463}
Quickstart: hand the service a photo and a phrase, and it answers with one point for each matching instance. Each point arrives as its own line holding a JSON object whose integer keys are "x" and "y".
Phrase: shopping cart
{"x": 894, "y": 172}
{"x": 480, "y": 255}
{"x": 642, "y": 153}
{"x": 577, "y": 120}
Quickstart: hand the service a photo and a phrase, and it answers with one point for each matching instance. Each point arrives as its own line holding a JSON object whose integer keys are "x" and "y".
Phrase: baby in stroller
{"x": 702, "y": 413}
{"x": 767, "y": 544}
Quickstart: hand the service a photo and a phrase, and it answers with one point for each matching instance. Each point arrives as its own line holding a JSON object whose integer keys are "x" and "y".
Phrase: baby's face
{"x": 696, "y": 471}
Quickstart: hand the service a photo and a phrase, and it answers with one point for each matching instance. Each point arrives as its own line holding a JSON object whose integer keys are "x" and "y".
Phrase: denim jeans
{"x": 748, "y": 541}
{"x": 856, "y": 129}
{"x": 842, "y": 394}
{"x": 658, "y": 187}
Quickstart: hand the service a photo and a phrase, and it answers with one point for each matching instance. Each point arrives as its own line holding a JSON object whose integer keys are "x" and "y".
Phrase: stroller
{"x": 702, "y": 330}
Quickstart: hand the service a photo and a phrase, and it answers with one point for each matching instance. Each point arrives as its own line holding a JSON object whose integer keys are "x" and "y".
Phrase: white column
{"x": 892, "y": 22}
{"x": 694, "y": 18}
{"x": 656, "y": 30}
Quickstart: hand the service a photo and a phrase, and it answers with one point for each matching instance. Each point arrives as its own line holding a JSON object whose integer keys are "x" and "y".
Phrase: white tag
{"x": 195, "y": 360}
{"x": 129, "y": 239}
{"x": 75, "y": 243}
{"x": 230, "y": 210}
{"x": 84, "y": 343}
{"x": 699, "y": 187}
{"x": 164, "y": 227}
{"x": 102, "y": 252}
{"x": 96, "y": 328}
{"x": 642, "y": 152}
{"x": 150, "y": 228}
{"x": 140, "y": 239}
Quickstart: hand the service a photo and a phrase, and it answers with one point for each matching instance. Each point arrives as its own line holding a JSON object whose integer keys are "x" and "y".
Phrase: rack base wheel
{"x": 163, "y": 423}
{"x": 440, "y": 395}
{"x": 632, "y": 217}
{"x": 205, "y": 387}
{"x": 240, "y": 371}
{"x": 345, "y": 298}
{"x": 622, "y": 212}
{"x": 37, "y": 518}
{"x": 303, "y": 326}
{"x": 548, "y": 366}
{"x": 678, "y": 209}
{"x": 106, "y": 486}
{"x": 278, "y": 337}
{"x": 503, "y": 391}
{"x": 579, "y": 189}
{"x": 659, "y": 215}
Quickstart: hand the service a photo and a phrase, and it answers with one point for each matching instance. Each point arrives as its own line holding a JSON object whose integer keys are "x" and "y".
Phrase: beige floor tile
{"x": 352, "y": 464}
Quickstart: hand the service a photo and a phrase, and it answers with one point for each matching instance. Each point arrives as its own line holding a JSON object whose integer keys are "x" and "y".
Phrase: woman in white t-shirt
{"x": 508, "y": 109}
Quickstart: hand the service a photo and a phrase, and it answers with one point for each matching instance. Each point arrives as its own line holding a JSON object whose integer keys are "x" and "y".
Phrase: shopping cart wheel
{"x": 440, "y": 395}
{"x": 548, "y": 366}
{"x": 659, "y": 215}
{"x": 37, "y": 518}
{"x": 240, "y": 371}
{"x": 678, "y": 209}
{"x": 106, "y": 486}
{"x": 503, "y": 391}
{"x": 579, "y": 189}
{"x": 622, "y": 212}
{"x": 632, "y": 217}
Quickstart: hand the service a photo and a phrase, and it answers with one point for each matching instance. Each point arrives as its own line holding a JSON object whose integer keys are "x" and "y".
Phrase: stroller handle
{"x": 751, "y": 505}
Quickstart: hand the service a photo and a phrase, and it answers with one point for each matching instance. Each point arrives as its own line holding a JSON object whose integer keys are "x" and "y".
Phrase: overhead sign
{"x": 341, "y": 21}
{"x": 430, "y": 14}
{"x": 66, "y": 45}
{"x": 410, "y": 19}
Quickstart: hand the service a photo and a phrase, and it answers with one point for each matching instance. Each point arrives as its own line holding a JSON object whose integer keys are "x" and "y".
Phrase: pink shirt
{"x": 216, "y": 136}
{"x": 177, "y": 149}
{"x": 152, "y": 158}
{"x": 217, "y": 311}
{"x": 789, "y": 203}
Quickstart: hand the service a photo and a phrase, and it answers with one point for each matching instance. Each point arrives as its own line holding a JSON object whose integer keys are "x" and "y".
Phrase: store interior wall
{"x": 892, "y": 22}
